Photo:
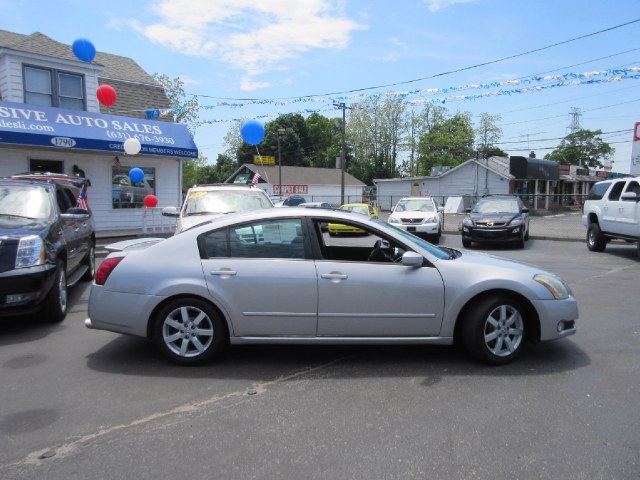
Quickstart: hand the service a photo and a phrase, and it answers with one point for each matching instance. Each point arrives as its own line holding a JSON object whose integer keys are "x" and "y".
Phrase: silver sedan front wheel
{"x": 189, "y": 332}
{"x": 494, "y": 330}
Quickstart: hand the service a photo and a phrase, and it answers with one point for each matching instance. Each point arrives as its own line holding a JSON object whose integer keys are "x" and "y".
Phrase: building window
{"x": 53, "y": 88}
{"x": 128, "y": 194}
{"x": 52, "y": 166}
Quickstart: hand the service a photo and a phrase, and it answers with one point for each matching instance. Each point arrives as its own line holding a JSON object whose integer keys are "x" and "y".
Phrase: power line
{"x": 441, "y": 74}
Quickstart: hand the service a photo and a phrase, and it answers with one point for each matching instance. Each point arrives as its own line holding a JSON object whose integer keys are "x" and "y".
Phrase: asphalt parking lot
{"x": 77, "y": 403}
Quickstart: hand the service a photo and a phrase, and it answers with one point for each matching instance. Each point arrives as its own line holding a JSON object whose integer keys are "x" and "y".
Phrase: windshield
{"x": 415, "y": 205}
{"x": 363, "y": 209}
{"x": 225, "y": 201}
{"x": 25, "y": 202}
{"x": 496, "y": 206}
{"x": 431, "y": 248}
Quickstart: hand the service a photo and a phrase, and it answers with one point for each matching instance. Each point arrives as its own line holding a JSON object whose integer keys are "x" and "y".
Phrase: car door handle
{"x": 225, "y": 273}
{"x": 335, "y": 276}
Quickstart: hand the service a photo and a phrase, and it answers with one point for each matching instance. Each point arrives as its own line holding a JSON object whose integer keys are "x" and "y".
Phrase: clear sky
{"x": 460, "y": 52}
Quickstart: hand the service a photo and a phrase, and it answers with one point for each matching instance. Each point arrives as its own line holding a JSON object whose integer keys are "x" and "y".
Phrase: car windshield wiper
{"x": 452, "y": 252}
{"x": 16, "y": 216}
{"x": 206, "y": 213}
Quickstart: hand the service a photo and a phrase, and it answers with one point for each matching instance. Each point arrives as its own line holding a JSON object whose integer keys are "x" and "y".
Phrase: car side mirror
{"x": 525, "y": 210}
{"x": 170, "y": 212}
{"x": 412, "y": 259}
{"x": 630, "y": 197}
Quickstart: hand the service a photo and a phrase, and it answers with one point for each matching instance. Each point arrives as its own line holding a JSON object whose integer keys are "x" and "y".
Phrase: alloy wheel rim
{"x": 188, "y": 332}
{"x": 503, "y": 330}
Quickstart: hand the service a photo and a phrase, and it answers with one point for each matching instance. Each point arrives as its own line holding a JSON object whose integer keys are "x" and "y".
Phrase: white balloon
{"x": 132, "y": 146}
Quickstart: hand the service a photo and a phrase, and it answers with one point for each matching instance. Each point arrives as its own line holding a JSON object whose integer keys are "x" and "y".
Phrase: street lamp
{"x": 280, "y": 133}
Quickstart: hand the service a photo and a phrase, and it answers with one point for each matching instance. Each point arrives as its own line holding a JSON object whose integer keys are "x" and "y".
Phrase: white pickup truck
{"x": 612, "y": 211}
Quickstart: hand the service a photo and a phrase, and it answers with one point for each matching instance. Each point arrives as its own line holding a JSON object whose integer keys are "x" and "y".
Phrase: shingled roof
{"x": 136, "y": 89}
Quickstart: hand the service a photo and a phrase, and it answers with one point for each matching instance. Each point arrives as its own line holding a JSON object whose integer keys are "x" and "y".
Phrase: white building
{"x": 315, "y": 184}
{"x": 51, "y": 120}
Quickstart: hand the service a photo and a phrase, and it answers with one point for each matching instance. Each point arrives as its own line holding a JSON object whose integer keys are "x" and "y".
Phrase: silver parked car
{"x": 275, "y": 276}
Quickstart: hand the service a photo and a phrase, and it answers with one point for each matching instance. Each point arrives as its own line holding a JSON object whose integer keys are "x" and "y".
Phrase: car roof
{"x": 59, "y": 178}
{"x": 224, "y": 186}
{"x": 416, "y": 198}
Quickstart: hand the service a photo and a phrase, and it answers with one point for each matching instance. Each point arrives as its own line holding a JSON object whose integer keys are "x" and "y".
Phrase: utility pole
{"x": 343, "y": 159}
{"x": 280, "y": 133}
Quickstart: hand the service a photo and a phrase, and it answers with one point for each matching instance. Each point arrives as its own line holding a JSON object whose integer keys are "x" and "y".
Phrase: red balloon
{"x": 150, "y": 201}
{"x": 106, "y": 95}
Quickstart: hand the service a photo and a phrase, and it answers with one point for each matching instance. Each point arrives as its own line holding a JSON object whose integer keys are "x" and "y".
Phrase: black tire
{"x": 466, "y": 243}
{"x": 526, "y": 235}
{"x": 638, "y": 248}
{"x": 55, "y": 304}
{"x": 189, "y": 331}
{"x": 90, "y": 261}
{"x": 596, "y": 242}
{"x": 520, "y": 242}
{"x": 494, "y": 330}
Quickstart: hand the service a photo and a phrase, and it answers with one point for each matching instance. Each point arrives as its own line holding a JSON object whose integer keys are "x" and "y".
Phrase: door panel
{"x": 378, "y": 299}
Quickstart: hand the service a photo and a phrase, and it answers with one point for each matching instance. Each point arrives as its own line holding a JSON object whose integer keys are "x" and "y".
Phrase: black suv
{"x": 496, "y": 219}
{"x": 47, "y": 243}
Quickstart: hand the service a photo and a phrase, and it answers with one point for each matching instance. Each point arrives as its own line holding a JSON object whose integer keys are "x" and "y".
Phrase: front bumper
{"x": 24, "y": 289}
{"x": 492, "y": 234}
{"x": 419, "y": 228}
{"x": 557, "y": 318}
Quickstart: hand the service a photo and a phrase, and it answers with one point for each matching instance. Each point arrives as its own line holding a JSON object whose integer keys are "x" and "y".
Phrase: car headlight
{"x": 30, "y": 252}
{"x": 393, "y": 219}
{"x": 516, "y": 221}
{"x": 430, "y": 220}
{"x": 467, "y": 222}
{"x": 557, "y": 287}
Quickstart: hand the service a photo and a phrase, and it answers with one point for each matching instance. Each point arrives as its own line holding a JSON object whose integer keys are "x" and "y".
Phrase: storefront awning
{"x": 523, "y": 168}
{"x": 24, "y": 124}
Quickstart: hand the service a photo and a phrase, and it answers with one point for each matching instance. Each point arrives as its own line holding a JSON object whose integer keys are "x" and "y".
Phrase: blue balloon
{"x": 84, "y": 49}
{"x": 252, "y": 132}
{"x": 136, "y": 175}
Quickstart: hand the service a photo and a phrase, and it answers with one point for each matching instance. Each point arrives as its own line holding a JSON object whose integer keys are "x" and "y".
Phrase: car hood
{"x": 414, "y": 214}
{"x": 499, "y": 218}
{"x": 19, "y": 227}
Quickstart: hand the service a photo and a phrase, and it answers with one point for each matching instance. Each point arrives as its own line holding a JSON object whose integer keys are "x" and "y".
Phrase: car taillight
{"x": 106, "y": 268}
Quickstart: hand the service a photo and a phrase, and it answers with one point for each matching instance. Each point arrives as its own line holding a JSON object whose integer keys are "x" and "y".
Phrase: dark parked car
{"x": 47, "y": 243}
{"x": 496, "y": 219}
{"x": 293, "y": 201}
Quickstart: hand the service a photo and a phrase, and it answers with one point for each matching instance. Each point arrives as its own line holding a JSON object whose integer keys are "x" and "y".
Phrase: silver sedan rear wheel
{"x": 190, "y": 332}
{"x": 494, "y": 330}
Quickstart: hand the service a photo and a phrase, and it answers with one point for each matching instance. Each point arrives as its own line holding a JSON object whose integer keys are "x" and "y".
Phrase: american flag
{"x": 82, "y": 198}
{"x": 255, "y": 179}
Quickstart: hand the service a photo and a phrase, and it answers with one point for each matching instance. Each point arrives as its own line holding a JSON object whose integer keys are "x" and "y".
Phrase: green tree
{"x": 185, "y": 111}
{"x": 584, "y": 148}
{"x": 448, "y": 143}
{"x": 374, "y": 131}
{"x": 325, "y": 139}
{"x": 487, "y": 135}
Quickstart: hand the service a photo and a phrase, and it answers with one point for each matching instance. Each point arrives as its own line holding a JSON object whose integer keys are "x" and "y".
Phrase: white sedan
{"x": 274, "y": 276}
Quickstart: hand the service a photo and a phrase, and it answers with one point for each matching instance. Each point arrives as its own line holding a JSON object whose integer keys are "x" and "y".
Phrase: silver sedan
{"x": 275, "y": 276}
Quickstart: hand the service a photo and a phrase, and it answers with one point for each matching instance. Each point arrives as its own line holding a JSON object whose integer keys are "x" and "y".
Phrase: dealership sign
{"x": 24, "y": 124}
